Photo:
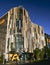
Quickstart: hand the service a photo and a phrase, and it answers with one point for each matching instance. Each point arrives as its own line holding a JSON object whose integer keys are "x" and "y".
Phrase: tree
{"x": 42, "y": 53}
{"x": 37, "y": 52}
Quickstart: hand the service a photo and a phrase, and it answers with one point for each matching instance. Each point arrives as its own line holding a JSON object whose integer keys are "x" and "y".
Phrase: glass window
{"x": 24, "y": 12}
{"x": 19, "y": 38}
{"x": 19, "y": 41}
{"x": 38, "y": 29}
{"x": 42, "y": 31}
{"x": 11, "y": 46}
{"x": 8, "y": 42}
{"x": 17, "y": 22}
{"x": 19, "y": 25}
{"x": 42, "y": 43}
{"x": 26, "y": 34}
{"x": 36, "y": 36}
{"x": 30, "y": 30}
{"x": 34, "y": 29}
{"x": 20, "y": 12}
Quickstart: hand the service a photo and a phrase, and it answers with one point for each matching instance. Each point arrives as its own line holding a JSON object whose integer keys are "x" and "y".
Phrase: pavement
{"x": 44, "y": 62}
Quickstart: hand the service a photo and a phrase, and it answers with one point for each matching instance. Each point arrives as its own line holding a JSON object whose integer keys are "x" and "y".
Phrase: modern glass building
{"x": 21, "y": 34}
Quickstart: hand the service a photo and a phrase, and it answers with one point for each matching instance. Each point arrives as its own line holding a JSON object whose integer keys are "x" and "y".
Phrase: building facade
{"x": 47, "y": 40}
{"x": 21, "y": 34}
{"x": 3, "y": 28}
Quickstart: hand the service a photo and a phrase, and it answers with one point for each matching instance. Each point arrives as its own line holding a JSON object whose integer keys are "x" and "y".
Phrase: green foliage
{"x": 41, "y": 54}
{"x": 47, "y": 50}
{"x": 37, "y": 53}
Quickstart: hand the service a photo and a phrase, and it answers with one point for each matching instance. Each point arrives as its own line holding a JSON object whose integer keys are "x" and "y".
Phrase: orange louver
{"x": 48, "y": 40}
{"x": 1, "y": 21}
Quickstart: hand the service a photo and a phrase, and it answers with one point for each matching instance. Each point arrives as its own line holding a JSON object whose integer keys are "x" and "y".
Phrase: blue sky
{"x": 39, "y": 10}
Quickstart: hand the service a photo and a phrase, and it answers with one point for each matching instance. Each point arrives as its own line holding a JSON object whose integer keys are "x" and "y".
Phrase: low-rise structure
{"x": 47, "y": 40}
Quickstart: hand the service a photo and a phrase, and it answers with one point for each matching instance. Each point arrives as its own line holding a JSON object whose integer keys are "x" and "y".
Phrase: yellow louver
{"x": 15, "y": 57}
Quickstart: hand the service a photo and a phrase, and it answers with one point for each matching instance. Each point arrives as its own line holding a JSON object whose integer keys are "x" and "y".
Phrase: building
{"x": 3, "y": 28}
{"x": 47, "y": 40}
{"x": 38, "y": 39}
{"x": 20, "y": 33}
